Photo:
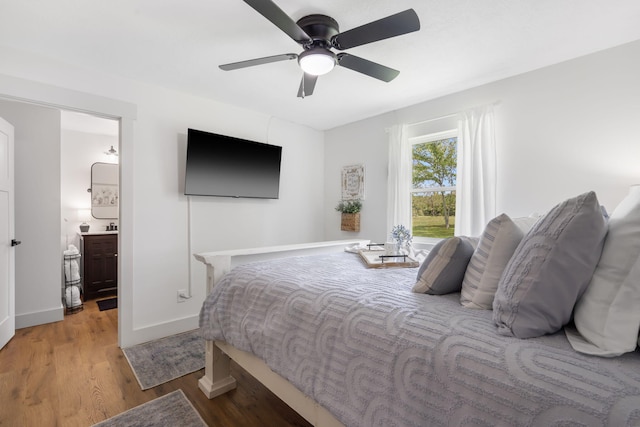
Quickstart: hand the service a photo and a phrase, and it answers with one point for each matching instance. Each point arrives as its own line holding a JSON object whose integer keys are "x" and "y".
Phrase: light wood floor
{"x": 72, "y": 373}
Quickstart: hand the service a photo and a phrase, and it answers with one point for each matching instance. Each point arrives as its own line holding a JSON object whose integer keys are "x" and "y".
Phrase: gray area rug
{"x": 159, "y": 361}
{"x": 170, "y": 410}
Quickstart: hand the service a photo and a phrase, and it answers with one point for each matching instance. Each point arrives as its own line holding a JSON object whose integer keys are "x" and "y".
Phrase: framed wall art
{"x": 353, "y": 182}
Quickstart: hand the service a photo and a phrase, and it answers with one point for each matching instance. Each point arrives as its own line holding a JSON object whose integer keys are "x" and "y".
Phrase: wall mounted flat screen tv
{"x": 224, "y": 166}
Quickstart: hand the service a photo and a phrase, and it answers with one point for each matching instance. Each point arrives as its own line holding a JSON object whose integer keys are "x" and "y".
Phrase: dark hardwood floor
{"x": 72, "y": 373}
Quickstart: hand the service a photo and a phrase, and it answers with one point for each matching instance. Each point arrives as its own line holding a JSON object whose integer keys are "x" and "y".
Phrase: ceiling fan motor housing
{"x": 320, "y": 28}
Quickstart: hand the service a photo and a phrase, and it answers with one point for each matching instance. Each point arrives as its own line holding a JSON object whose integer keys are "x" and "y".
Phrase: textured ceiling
{"x": 179, "y": 45}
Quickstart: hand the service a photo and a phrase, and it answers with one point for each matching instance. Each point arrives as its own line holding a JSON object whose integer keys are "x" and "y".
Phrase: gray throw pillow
{"x": 499, "y": 240}
{"x": 443, "y": 269}
{"x": 550, "y": 269}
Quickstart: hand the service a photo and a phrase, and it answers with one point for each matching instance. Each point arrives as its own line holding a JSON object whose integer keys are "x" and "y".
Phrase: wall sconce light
{"x": 111, "y": 152}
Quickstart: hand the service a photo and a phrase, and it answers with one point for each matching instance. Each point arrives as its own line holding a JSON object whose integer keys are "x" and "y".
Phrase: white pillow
{"x": 499, "y": 240}
{"x": 607, "y": 317}
{"x": 526, "y": 223}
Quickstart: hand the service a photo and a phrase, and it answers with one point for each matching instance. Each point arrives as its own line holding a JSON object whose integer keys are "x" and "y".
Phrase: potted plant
{"x": 350, "y": 210}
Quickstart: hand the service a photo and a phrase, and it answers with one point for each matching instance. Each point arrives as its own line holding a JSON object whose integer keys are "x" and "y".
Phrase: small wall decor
{"x": 350, "y": 209}
{"x": 353, "y": 182}
{"x": 350, "y": 222}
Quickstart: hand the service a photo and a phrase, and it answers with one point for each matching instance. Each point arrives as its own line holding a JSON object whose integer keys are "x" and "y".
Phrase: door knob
{"x": 15, "y": 242}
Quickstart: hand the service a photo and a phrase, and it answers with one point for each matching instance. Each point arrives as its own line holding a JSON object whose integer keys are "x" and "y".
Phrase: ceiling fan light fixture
{"x": 317, "y": 61}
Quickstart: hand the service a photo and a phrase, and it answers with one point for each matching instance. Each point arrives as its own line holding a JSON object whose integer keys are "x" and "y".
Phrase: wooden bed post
{"x": 217, "y": 378}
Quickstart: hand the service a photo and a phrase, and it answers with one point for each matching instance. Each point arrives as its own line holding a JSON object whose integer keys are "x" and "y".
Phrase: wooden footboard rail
{"x": 217, "y": 379}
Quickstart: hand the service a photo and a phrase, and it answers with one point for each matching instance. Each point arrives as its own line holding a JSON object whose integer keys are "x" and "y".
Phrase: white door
{"x": 7, "y": 241}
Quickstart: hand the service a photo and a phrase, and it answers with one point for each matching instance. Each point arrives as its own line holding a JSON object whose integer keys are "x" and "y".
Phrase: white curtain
{"x": 476, "y": 195}
{"x": 399, "y": 178}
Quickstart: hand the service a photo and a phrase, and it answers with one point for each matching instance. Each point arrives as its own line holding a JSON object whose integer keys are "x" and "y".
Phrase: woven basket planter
{"x": 350, "y": 222}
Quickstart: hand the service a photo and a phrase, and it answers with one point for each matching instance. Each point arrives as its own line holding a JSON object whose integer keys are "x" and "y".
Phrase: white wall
{"x": 560, "y": 131}
{"x": 152, "y": 164}
{"x": 37, "y": 212}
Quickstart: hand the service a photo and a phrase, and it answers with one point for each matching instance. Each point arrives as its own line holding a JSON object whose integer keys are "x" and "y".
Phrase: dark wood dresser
{"x": 100, "y": 264}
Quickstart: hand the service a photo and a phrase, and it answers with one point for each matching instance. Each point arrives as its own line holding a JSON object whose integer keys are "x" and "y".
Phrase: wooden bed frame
{"x": 217, "y": 378}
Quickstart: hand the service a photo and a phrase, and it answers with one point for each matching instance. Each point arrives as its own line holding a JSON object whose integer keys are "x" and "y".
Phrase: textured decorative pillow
{"x": 443, "y": 269}
{"x": 550, "y": 269}
{"x": 499, "y": 240}
{"x": 607, "y": 316}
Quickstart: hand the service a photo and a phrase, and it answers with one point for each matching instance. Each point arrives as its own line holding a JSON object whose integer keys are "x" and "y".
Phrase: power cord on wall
{"x": 185, "y": 294}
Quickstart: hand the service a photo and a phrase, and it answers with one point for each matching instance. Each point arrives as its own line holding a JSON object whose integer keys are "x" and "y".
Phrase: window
{"x": 433, "y": 189}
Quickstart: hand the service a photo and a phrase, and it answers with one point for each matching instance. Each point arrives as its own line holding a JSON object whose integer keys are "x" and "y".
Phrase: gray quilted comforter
{"x": 357, "y": 341}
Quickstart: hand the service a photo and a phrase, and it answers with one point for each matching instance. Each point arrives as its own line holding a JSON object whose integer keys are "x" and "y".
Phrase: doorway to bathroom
{"x": 89, "y": 157}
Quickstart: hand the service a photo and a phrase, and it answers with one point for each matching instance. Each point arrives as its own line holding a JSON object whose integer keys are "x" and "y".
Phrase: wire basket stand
{"x": 72, "y": 296}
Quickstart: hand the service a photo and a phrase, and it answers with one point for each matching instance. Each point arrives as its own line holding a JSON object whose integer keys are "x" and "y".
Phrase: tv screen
{"x": 219, "y": 165}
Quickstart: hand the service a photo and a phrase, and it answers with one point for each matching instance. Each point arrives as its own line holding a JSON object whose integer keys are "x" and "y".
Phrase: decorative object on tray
{"x": 353, "y": 182}
{"x": 377, "y": 256}
{"x": 401, "y": 236}
{"x": 350, "y": 210}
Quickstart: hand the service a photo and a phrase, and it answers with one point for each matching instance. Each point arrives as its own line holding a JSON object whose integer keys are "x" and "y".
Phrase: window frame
{"x": 424, "y": 139}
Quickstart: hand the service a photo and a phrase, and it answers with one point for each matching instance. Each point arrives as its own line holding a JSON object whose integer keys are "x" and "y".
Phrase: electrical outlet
{"x": 182, "y": 295}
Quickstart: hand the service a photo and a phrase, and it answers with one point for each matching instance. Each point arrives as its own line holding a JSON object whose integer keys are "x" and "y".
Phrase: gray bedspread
{"x": 373, "y": 353}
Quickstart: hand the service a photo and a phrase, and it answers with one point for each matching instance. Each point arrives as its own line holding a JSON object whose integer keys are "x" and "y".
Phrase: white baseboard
{"x": 137, "y": 336}
{"x": 160, "y": 330}
{"x": 39, "y": 317}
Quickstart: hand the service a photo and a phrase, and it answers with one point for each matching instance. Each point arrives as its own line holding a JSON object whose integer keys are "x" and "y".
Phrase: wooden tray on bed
{"x": 379, "y": 259}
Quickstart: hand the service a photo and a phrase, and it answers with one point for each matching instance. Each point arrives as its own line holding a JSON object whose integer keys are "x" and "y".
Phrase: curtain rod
{"x": 446, "y": 116}
{"x": 427, "y": 121}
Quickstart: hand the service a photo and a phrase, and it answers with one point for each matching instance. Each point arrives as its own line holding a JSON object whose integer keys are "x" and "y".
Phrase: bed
{"x": 346, "y": 345}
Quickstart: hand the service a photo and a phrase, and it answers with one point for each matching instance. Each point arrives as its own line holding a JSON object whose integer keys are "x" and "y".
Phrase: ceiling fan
{"x": 318, "y": 34}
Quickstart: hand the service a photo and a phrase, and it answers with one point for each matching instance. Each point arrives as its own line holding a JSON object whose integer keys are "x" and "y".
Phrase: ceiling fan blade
{"x": 391, "y": 26}
{"x": 258, "y": 61}
{"x": 273, "y": 13}
{"x": 364, "y": 66}
{"x": 307, "y": 84}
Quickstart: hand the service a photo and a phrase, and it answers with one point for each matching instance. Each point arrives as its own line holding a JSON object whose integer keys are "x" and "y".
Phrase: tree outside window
{"x": 433, "y": 198}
